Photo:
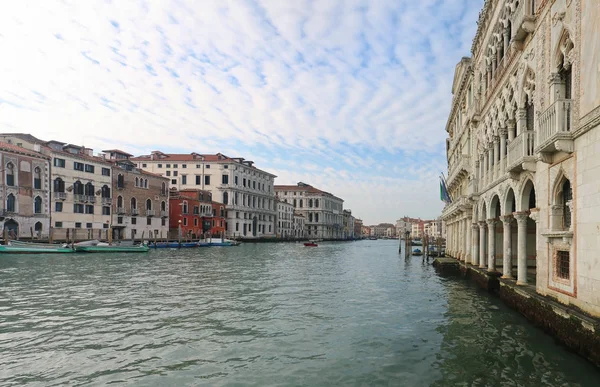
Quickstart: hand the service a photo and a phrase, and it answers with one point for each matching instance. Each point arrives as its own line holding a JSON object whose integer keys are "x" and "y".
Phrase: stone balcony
{"x": 135, "y": 211}
{"x": 554, "y": 128}
{"x": 164, "y": 214}
{"x": 60, "y": 195}
{"x": 521, "y": 153}
{"x": 523, "y": 21}
{"x": 150, "y": 212}
{"x": 106, "y": 200}
{"x": 120, "y": 210}
{"x": 461, "y": 167}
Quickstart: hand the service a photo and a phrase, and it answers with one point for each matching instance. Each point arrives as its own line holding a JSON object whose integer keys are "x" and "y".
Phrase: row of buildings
{"x": 523, "y": 135}
{"x": 51, "y": 185}
{"x": 415, "y": 227}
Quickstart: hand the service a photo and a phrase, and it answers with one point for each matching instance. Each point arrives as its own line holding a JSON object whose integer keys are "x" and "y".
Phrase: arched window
{"x": 567, "y": 197}
{"x": 38, "y": 227}
{"x": 59, "y": 185}
{"x": 300, "y": 203}
{"x": 295, "y": 203}
{"x": 310, "y": 203}
{"x": 11, "y": 203}
{"x": 316, "y": 218}
{"x": 105, "y": 191}
{"x": 37, "y": 178}
{"x": 148, "y": 204}
{"x": 529, "y": 113}
{"x": 163, "y": 206}
{"x": 137, "y": 182}
{"x": 78, "y": 188}
{"x": 133, "y": 203}
{"x": 89, "y": 189}
{"x": 145, "y": 183}
{"x": 37, "y": 205}
{"x": 310, "y": 216}
{"x": 184, "y": 207}
{"x": 225, "y": 198}
{"x": 163, "y": 189}
{"x": 120, "y": 181}
{"x": 10, "y": 174}
{"x": 120, "y": 201}
{"x": 317, "y": 203}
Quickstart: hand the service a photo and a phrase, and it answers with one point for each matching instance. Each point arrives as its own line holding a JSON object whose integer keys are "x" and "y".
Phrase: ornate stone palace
{"x": 524, "y": 148}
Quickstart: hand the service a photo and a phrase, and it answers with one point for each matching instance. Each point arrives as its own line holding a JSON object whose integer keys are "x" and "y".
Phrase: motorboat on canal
{"x": 417, "y": 252}
{"x": 219, "y": 242}
{"x": 311, "y": 244}
{"x": 172, "y": 245}
{"x": 94, "y": 246}
{"x": 18, "y": 247}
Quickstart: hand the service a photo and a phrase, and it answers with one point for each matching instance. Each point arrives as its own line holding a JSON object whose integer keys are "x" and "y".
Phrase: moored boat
{"x": 108, "y": 248}
{"x": 18, "y": 247}
{"x": 310, "y": 244}
{"x": 417, "y": 252}
{"x": 172, "y": 245}
{"x": 218, "y": 242}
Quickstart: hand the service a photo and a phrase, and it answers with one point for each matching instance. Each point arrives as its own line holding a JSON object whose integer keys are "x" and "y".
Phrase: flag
{"x": 444, "y": 195}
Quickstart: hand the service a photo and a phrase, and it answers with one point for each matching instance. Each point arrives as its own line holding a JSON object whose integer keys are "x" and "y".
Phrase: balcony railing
{"x": 523, "y": 21}
{"x": 60, "y": 195}
{"x": 121, "y": 210}
{"x": 135, "y": 211}
{"x": 164, "y": 214}
{"x": 106, "y": 200}
{"x": 90, "y": 199}
{"x": 554, "y": 124}
{"x": 150, "y": 212}
{"x": 520, "y": 151}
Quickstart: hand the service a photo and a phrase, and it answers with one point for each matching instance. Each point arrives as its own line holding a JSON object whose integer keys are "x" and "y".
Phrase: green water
{"x": 344, "y": 314}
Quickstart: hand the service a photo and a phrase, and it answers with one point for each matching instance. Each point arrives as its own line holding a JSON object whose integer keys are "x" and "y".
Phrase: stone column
{"x": 467, "y": 243}
{"x": 521, "y": 121}
{"x": 475, "y": 244}
{"x": 491, "y": 244}
{"x": 522, "y": 247}
{"x": 477, "y": 177}
{"x": 482, "y": 260}
{"x": 507, "y": 257}
{"x": 506, "y": 41}
{"x": 502, "y": 150}
{"x": 511, "y": 124}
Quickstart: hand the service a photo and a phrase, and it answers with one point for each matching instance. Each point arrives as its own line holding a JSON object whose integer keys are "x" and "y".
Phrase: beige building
{"x": 523, "y": 164}
{"x": 25, "y": 191}
{"x": 246, "y": 190}
{"x": 322, "y": 210}
{"x": 284, "y": 224}
{"x": 299, "y": 226}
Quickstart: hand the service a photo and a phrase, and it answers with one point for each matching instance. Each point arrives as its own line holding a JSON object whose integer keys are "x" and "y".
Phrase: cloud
{"x": 350, "y": 95}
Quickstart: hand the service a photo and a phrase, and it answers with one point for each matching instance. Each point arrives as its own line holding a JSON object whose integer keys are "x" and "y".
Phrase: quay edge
{"x": 568, "y": 325}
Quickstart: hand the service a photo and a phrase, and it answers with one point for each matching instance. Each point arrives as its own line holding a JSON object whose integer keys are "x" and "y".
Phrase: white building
{"x": 348, "y": 220}
{"x": 246, "y": 190}
{"x": 322, "y": 210}
{"x": 523, "y": 164}
{"x": 299, "y": 226}
{"x": 285, "y": 220}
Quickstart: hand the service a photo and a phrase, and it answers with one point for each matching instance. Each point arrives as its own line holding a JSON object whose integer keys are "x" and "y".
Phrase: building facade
{"x": 285, "y": 220}
{"x": 348, "y": 221}
{"x": 191, "y": 214}
{"x": 299, "y": 226}
{"x": 523, "y": 134}
{"x": 246, "y": 190}
{"x": 322, "y": 210}
{"x": 140, "y": 207}
{"x": 358, "y": 224}
{"x": 25, "y": 191}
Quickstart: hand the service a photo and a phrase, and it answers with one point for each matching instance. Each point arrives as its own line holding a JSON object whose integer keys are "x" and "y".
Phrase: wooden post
{"x": 5, "y": 236}
{"x": 31, "y": 231}
{"x": 67, "y": 236}
{"x": 109, "y": 235}
{"x": 51, "y": 235}
{"x": 155, "y": 240}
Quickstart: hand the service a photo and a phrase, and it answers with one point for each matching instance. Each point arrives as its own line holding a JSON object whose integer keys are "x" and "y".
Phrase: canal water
{"x": 343, "y": 314}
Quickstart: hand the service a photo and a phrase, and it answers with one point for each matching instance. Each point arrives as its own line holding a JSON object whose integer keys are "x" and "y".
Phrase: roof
{"x": 25, "y": 136}
{"x": 303, "y": 188}
{"x": 17, "y": 149}
{"x": 117, "y": 151}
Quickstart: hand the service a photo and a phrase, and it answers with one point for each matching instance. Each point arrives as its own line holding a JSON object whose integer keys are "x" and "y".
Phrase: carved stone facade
{"x": 524, "y": 134}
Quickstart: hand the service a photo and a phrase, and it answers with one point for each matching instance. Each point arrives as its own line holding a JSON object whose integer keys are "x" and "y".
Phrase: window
{"x": 175, "y": 166}
{"x": 133, "y": 203}
{"x": 148, "y": 221}
{"x": 105, "y": 225}
{"x": 562, "y": 264}
{"x": 105, "y": 191}
{"x": 529, "y": 114}
{"x": 254, "y": 184}
{"x": 168, "y": 173}
{"x": 58, "y": 224}
{"x": 300, "y": 203}
{"x": 244, "y": 181}
{"x": 168, "y": 165}
{"x": 185, "y": 221}
{"x": 144, "y": 165}
{"x": 235, "y": 180}
{"x": 175, "y": 173}
{"x": 183, "y": 165}
{"x": 120, "y": 220}
{"x": 133, "y": 220}
{"x": 225, "y": 179}
{"x": 89, "y": 189}
{"x": 88, "y": 225}
{"x": 10, "y": 203}
{"x": 89, "y": 209}
{"x": 198, "y": 181}
{"x": 78, "y": 166}
{"x": 78, "y": 208}
{"x": 10, "y": 174}
{"x": 163, "y": 222}
{"x": 163, "y": 206}
{"x": 184, "y": 179}
{"x": 148, "y": 204}
{"x": 196, "y": 210}
{"x": 37, "y": 205}
{"x": 174, "y": 181}
{"x": 207, "y": 180}
{"x": 59, "y": 185}
{"x": 158, "y": 165}
{"x": 105, "y": 210}
{"x": 89, "y": 168}
{"x": 78, "y": 225}
{"x": 120, "y": 181}
{"x": 37, "y": 178}
{"x": 163, "y": 189}
{"x": 567, "y": 197}
{"x": 225, "y": 198}
{"x": 237, "y": 227}
{"x": 58, "y": 207}
{"x": 105, "y": 171}
{"x": 59, "y": 163}
{"x": 184, "y": 207}
{"x": 207, "y": 166}
{"x": 317, "y": 203}
{"x": 195, "y": 222}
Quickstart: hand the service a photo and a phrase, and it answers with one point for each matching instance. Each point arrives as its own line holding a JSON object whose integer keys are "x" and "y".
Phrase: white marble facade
{"x": 524, "y": 139}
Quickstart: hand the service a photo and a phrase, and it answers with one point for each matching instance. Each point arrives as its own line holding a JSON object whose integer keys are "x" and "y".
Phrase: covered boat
{"x": 107, "y": 248}
{"x": 221, "y": 242}
{"x": 172, "y": 245}
{"x": 18, "y": 247}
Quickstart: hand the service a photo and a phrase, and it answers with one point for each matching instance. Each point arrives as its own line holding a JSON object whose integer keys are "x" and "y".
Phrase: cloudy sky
{"x": 350, "y": 96}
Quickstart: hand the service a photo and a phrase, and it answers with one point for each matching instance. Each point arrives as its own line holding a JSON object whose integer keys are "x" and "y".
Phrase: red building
{"x": 195, "y": 214}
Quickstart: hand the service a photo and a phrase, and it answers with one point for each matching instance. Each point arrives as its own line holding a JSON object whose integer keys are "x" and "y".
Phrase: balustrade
{"x": 554, "y": 124}
{"x": 520, "y": 150}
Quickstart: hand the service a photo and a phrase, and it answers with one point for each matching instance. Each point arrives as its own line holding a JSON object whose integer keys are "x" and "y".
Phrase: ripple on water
{"x": 271, "y": 314}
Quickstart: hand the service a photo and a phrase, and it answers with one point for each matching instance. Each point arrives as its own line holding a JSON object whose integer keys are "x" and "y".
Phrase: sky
{"x": 350, "y": 96}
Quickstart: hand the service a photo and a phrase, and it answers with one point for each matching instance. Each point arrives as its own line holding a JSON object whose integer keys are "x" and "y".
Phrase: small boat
{"x": 106, "y": 248}
{"x": 18, "y": 247}
{"x": 310, "y": 244}
{"x": 218, "y": 242}
{"x": 172, "y": 245}
{"x": 417, "y": 252}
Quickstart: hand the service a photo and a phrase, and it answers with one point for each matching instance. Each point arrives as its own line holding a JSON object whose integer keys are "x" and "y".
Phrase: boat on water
{"x": 219, "y": 242}
{"x": 172, "y": 245}
{"x": 417, "y": 252}
{"x": 310, "y": 244}
{"x": 373, "y": 238}
{"x": 18, "y": 247}
{"x": 101, "y": 248}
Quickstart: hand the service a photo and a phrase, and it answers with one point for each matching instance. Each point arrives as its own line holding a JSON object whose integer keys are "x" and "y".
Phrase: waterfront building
{"x": 246, "y": 190}
{"x": 25, "y": 191}
{"x": 434, "y": 228}
{"x": 193, "y": 214}
{"x": 322, "y": 210}
{"x": 140, "y": 200}
{"x": 348, "y": 221}
{"x": 285, "y": 219}
{"x": 358, "y": 225}
{"x": 299, "y": 226}
{"x": 366, "y": 231}
{"x": 522, "y": 148}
